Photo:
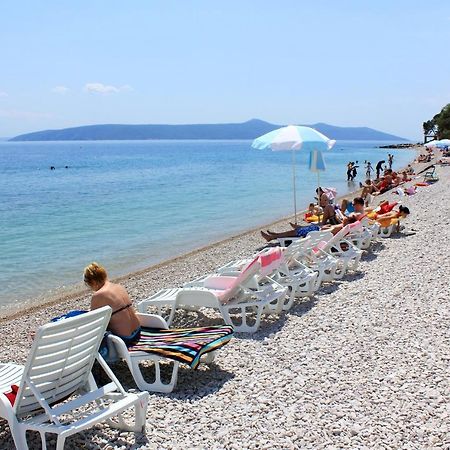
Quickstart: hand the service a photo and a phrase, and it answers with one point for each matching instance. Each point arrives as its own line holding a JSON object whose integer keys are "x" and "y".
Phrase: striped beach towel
{"x": 186, "y": 345}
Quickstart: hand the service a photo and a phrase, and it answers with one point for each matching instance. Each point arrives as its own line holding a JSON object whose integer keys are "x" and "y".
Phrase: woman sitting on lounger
{"x": 124, "y": 322}
{"x": 303, "y": 231}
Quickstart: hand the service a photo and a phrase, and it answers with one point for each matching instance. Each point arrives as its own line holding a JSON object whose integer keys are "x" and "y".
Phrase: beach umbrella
{"x": 294, "y": 138}
{"x": 316, "y": 163}
{"x": 443, "y": 143}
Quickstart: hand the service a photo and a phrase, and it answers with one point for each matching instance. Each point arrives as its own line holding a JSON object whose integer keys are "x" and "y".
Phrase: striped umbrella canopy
{"x": 316, "y": 163}
{"x": 440, "y": 144}
{"x": 294, "y": 138}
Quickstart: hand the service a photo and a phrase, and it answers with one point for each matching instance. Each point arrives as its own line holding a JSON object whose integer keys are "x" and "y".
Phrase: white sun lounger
{"x": 345, "y": 252}
{"x": 321, "y": 262}
{"x": 287, "y": 271}
{"x": 231, "y": 295}
{"x": 359, "y": 235}
{"x": 117, "y": 348}
{"x": 59, "y": 368}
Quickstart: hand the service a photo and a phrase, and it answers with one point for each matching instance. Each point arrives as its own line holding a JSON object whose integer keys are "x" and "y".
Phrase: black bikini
{"x": 121, "y": 309}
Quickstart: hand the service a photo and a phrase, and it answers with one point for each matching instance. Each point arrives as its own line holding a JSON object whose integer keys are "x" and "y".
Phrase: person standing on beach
{"x": 390, "y": 160}
{"x": 369, "y": 170}
{"x": 349, "y": 171}
{"x": 379, "y": 167}
{"x": 354, "y": 171}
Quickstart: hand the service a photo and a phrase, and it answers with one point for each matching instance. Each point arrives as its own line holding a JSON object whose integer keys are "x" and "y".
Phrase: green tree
{"x": 428, "y": 126}
{"x": 442, "y": 121}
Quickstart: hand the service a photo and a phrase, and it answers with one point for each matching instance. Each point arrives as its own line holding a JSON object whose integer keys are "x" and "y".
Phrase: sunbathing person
{"x": 405, "y": 177}
{"x": 124, "y": 322}
{"x": 402, "y": 213}
{"x": 329, "y": 212}
{"x": 303, "y": 231}
{"x": 386, "y": 218}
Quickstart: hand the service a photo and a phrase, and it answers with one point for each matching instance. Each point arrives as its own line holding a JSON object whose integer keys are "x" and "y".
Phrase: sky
{"x": 382, "y": 64}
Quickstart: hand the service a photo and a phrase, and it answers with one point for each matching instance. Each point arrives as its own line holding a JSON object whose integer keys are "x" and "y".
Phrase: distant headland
{"x": 246, "y": 130}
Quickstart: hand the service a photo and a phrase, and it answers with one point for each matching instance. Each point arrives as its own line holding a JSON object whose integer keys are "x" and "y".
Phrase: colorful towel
{"x": 186, "y": 345}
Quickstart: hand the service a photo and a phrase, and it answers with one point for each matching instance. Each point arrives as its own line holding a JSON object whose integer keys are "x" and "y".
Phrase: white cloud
{"x": 100, "y": 88}
{"x": 60, "y": 90}
{"x": 3, "y": 94}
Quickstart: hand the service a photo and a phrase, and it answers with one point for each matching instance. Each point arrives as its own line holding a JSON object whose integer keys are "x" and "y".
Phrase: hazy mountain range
{"x": 247, "y": 130}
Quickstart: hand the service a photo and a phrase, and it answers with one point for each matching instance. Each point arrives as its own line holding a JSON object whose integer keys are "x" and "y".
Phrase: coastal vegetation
{"x": 439, "y": 126}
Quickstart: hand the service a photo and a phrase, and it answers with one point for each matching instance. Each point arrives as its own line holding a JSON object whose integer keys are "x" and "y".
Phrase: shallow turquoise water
{"x": 131, "y": 204}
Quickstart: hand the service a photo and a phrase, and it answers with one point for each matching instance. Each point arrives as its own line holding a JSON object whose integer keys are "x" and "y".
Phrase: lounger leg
{"x": 209, "y": 357}
{"x": 59, "y": 443}
{"x": 339, "y": 272}
{"x": 243, "y": 327}
{"x": 157, "y": 385}
{"x": 287, "y": 305}
{"x": 318, "y": 280}
{"x": 44, "y": 442}
{"x": 140, "y": 413}
{"x": 17, "y": 432}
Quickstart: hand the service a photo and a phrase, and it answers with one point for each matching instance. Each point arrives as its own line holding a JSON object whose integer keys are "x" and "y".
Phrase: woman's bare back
{"x": 123, "y": 322}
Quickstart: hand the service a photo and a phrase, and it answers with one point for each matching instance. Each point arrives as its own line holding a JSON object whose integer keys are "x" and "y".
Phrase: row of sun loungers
{"x": 34, "y": 396}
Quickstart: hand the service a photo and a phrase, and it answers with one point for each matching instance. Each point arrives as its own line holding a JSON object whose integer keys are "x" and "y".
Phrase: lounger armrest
{"x": 283, "y": 241}
{"x": 152, "y": 321}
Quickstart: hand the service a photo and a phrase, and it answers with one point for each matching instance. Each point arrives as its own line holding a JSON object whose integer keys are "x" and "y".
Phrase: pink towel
{"x": 270, "y": 261}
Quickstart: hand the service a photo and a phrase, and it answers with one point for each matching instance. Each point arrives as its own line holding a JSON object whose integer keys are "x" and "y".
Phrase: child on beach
{"x": 313, "y": 210}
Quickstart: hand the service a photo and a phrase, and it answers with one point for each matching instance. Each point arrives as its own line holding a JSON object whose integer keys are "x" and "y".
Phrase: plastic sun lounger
{"x": 321, "y": 262}
{"x": 59, "y": 368}
{"x": 231, "y": 295}
{"x": 372, "y": 226}
{"x": 118, "y": 349}
{"x": 347, "y": 254}
{"x": 387, "y": 227}
{"x": 269, "y": 261}
{"x": 360, "y": 236}
{"x": 284, "y": 270}
{"x": 430, "y": 175}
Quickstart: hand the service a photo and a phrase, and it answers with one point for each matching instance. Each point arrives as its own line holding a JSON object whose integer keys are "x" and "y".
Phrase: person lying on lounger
{"x": 386, "y": 218}
{"x": 124, "y": 322}
{"x": 302, "y": 231}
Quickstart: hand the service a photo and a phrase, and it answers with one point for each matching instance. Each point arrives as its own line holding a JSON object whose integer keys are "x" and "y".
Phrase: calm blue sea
{"x": 131, "y": 204}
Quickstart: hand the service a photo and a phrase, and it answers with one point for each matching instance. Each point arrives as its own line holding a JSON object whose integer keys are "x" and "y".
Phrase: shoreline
{"x": 363, "y": 363}
{"x": 77, "y": 293}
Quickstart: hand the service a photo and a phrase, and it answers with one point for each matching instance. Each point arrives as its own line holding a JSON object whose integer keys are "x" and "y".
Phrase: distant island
{"x": 247, "y": 130}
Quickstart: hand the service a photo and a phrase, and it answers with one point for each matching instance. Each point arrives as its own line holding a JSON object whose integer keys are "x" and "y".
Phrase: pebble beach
{"x": 362, "y": 364}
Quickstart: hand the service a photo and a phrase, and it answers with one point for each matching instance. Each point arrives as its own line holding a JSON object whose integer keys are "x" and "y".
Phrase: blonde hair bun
{"x": 94, "y": 273}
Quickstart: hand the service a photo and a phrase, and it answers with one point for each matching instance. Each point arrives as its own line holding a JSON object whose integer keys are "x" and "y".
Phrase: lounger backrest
{"x": 317, "y": 236}
{"x": 248, "y": 272}
{"x": 355, "y": 227}
{"x": 292, "y": 250}
{"x": 61, "y": 359}
{"x": 341, "y": 234}
{"x": 270, "y": 260}
{"x": 227, "y": 287}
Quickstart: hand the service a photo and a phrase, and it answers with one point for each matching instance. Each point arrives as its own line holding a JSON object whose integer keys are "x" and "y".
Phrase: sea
{"x": 131, "y": 204}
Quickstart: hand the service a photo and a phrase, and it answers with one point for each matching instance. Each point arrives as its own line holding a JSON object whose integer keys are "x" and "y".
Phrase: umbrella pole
{"x": 318, "y": 179}
{"x": 293, "y": 182}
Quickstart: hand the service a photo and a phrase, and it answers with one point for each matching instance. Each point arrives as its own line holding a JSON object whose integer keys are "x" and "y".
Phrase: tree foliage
{"x": 442, "y": 121}
{"x": 439, "y": 124}
{"x": 429, "y": 126}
